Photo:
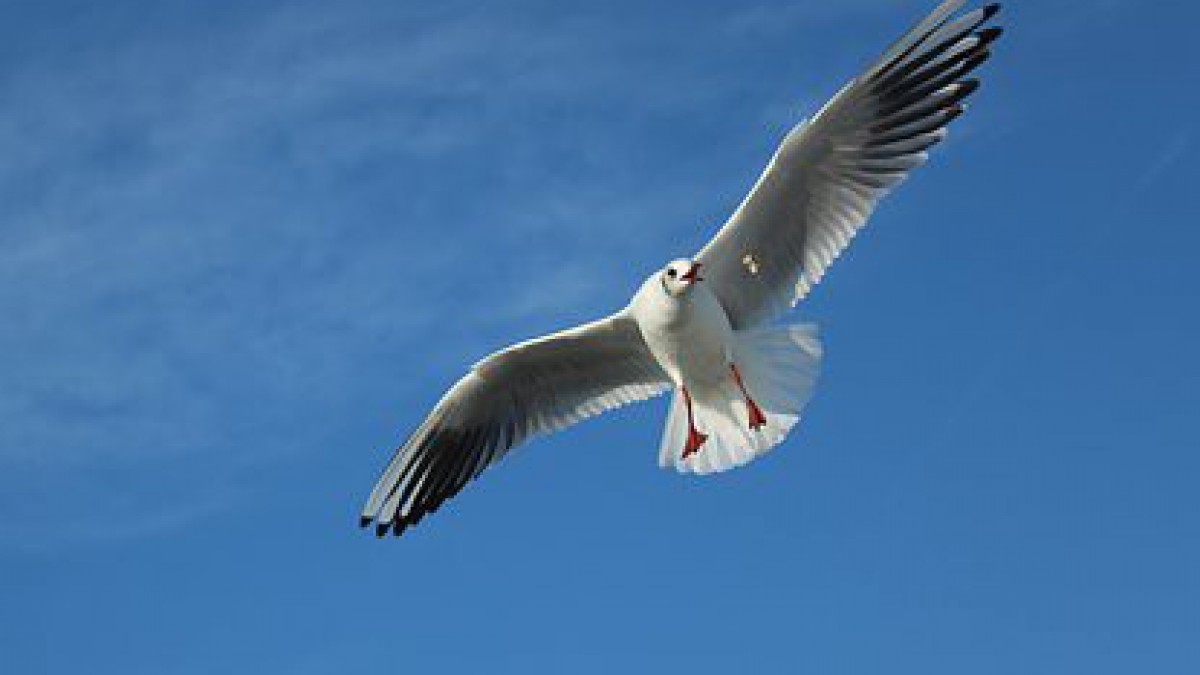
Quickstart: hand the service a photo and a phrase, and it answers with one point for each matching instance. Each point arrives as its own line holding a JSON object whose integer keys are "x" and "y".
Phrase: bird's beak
{"x": 693, "y": 275}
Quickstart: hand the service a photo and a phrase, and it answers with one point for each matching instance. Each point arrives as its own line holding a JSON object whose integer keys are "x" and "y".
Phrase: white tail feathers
{"x": 779, "y": 368}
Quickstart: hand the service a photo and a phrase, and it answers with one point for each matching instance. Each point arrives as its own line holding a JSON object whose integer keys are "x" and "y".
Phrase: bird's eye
{"x": 671, "y": 272}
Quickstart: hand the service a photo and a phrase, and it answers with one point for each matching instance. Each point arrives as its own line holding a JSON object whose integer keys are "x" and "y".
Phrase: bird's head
{"x": 679, "y": 276}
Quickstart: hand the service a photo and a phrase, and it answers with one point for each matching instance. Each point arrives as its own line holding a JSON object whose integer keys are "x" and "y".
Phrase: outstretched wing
{"x": 828, "y": 174}
{"x": 532, "y": 388}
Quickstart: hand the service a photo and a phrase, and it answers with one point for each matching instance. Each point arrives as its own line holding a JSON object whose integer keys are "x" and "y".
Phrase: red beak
{"x": 693, "y": 275}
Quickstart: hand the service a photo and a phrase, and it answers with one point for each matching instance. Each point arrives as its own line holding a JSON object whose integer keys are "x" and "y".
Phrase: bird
{"x": 706, "y": 328}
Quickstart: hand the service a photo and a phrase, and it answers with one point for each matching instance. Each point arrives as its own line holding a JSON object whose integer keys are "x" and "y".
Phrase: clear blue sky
{"x": 244, "y": 247}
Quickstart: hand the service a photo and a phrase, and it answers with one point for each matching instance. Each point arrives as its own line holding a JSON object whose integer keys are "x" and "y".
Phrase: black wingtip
{"x": 977, "y": 59}
{"x": 381, "y": 529}
{"x": 990, "y": 10}
{"x": 364, "y": 521}
{"x": 988, "y": 35}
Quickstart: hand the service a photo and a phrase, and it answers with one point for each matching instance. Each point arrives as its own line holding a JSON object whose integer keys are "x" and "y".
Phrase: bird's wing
{"x": 531, "y": 388}
{"x": 828, "y": 174}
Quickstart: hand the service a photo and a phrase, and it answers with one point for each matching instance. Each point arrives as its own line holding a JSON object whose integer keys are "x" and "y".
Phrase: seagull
{"x": 704, "y": 327}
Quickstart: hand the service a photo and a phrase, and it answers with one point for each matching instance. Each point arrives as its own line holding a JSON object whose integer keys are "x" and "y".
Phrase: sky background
{"x": 245, "y": 246}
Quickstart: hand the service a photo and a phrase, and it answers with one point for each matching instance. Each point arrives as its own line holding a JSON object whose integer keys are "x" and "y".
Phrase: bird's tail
{"x": 779, "y": 368}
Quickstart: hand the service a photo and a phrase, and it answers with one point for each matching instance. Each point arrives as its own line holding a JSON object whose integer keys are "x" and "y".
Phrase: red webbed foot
{"x": 694, "y": 441}
{"x": 757, "y": 419}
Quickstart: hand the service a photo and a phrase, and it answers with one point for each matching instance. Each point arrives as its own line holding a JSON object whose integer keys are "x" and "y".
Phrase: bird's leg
{"x": 695, "y": 439}
{"x": 757, "y": 418}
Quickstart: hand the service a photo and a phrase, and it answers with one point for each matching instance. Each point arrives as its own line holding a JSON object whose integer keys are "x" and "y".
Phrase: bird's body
{"x": 689, "y": 335}
{"x": 702, "y": 327}
{"x": 728, "y": 403}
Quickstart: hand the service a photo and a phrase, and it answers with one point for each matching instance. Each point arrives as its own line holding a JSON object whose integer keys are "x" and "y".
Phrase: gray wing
{"x": 829, "y": 173}
{"x": 532, "y": 388}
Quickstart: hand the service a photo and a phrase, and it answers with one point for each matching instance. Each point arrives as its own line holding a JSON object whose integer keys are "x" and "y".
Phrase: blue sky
{"x": 243, "y": 248}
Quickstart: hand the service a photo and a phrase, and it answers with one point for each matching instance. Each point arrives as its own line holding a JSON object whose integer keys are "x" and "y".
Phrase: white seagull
{"x": 701, "y": 327}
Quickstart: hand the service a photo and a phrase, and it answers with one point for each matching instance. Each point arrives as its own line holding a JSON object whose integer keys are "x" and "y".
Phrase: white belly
{"x": 691, "y": 338}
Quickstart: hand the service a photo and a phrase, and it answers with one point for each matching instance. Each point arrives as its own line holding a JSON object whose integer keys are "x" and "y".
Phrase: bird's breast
{"x": 690, "y": 338}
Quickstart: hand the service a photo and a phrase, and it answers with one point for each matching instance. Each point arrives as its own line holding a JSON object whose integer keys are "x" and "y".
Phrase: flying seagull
{"x": 702, "y": 327}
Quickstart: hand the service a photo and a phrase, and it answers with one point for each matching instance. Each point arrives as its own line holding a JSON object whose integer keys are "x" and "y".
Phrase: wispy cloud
{"x": 176, "y": 270}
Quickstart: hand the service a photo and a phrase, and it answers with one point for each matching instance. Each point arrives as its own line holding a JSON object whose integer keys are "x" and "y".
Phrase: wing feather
{"x": 830, "y": 172}
{"x": 532, "y": 388}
